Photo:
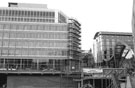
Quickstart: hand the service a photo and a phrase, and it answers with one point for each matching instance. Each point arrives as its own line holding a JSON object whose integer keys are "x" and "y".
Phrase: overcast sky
{"x": 94, "y": 15}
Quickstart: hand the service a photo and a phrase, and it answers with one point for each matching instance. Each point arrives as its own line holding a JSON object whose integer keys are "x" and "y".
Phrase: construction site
{"x": 41, "y": 48}
{"x": 71, "y": 77}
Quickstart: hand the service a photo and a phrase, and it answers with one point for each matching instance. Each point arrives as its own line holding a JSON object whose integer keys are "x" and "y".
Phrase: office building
{"x": 34, "y": 38}
{"x": 104, "y": 44}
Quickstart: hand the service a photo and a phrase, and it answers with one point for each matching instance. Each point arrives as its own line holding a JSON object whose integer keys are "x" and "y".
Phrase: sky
{"x": 94, "y": 15}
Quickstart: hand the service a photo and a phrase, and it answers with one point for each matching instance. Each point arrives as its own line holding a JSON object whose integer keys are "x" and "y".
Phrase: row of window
{"x": 33, "y": 52}
{"x": 43, "y": 35}
{"x": 37, "y": 64}
{"x": 19, "y": 19}
{"x": 113, "y": 38}
{"x": 116, "y": 40}
{"x": 32, "y": 64}
{"x": 22, "y": 13}
{"x": 24, "y": 43}
{"x": 45, "y": 27}
{"x": 113, "y": 44}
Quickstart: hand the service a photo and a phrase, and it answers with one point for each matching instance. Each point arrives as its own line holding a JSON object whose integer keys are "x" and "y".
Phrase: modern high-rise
{"x": 104, "y": 44}
{"x": 34, "y": 38}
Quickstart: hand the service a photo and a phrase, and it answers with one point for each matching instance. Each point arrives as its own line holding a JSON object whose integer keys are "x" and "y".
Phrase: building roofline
{"x": 111, "y": 33}
{"x": 29, "y": 9}
{"x": 96, "y": 35}
{"x": 35, "y": 23}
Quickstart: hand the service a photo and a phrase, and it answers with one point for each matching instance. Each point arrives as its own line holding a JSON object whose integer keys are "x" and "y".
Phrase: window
{"x": 0, "y": 12}
{"x": 21, "y": 27}
{"x": 5, "y": 52}
{"x": 15, "y": 13}
{"x": 12, "y": 43}
{"x": 7, "y": 12}
{"x": 5, "y": 43}
{"x": 26, "y": 13}
{"x": 34, "y": 27}
{"x": 19, "y": 13}
{"x": 35, "y": 14}
{"x": 29, "y": 15}
{"x": 4, "y": 12}
{"x": 24, "y": 52}
{"x": 1, "y": 34}
{"x": 18, "y": 52}
{"x": 11, "y": 51}
{"x": 32, "y": 13}
{"x": 11, "y": 13}
{"x": 23, "y": 13}
{"x": 38, "y": 14}
{"x": 6, "y": 35}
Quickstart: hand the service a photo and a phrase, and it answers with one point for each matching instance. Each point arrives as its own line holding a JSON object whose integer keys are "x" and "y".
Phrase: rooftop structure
{"x": 27, "y": 5}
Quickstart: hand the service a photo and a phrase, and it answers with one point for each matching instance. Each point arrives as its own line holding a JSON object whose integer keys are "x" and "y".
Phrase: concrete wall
{"x": 39, "y": 82}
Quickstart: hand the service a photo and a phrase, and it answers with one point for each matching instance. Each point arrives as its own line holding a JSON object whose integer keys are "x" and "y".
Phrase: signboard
{"x": 92, "y": 70}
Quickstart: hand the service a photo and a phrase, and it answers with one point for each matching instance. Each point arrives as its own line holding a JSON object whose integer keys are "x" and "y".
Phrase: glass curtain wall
{"x": 39, "y": 47}
{"x": 33, "y": 64}
{"x": 27, "y": 16}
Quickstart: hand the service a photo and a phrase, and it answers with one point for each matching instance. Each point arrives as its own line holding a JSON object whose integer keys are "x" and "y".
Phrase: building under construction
{"x": 39, "y": 47}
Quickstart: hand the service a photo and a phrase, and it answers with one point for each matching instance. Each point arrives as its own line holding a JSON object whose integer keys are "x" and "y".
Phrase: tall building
{"x": 104, "y": 44}
{"x": 34, "y": 38}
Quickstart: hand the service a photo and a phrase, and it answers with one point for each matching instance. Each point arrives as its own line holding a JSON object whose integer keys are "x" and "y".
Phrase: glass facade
{"x": 34, "y": 40}
{"x": 23, "y": 15}
{"x": 105, "y": 43}
{"x": 32, "y": 64}
{"x": 27, "y": 16}
{"x": 28, "y": 41}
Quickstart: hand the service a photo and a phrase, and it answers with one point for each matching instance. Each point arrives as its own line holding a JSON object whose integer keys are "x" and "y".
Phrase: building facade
{"x": 38, "y": 47}
{"x": 104, "y": 44}
{"x": 37, "y": 38}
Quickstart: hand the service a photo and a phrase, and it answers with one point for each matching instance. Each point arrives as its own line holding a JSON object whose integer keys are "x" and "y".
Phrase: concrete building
{"x": 104, "y": 44}
{"x": 34, "y": 38}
